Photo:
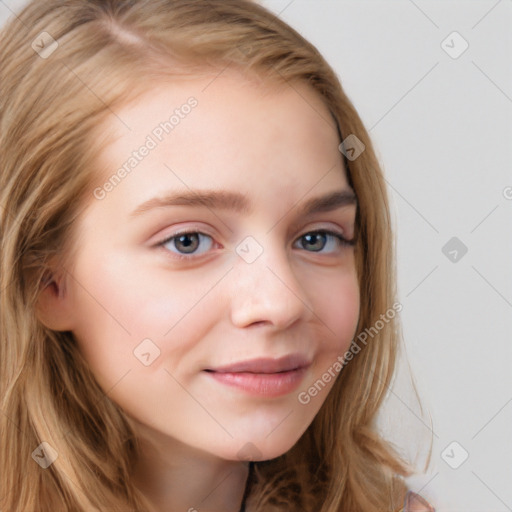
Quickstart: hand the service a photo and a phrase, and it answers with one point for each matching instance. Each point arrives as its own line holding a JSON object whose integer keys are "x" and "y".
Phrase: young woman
{"x": 195, "y": 237}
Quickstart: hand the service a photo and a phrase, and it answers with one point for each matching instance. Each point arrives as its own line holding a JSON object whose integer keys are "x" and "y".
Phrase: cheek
{"x": 338, "y": 309}
{"x": 119, "y": 310}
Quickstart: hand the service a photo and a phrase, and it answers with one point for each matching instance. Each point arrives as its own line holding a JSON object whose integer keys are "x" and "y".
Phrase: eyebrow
{"x": 240, "y": 203}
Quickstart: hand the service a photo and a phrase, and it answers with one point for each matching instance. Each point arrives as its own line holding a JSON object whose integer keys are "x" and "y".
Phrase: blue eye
{"x": 323, "y": 236}
{"x": 187, "y": 242}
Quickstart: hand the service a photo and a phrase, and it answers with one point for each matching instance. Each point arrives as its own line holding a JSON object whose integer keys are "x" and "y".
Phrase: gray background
{"x": 442, "y": 127}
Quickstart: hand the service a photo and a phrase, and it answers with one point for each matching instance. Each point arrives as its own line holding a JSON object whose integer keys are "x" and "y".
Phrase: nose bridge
{"x": 265, "y": 286}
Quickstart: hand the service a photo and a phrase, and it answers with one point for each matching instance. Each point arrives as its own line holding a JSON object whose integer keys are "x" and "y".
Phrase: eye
{"x": 186, "y": 242}
{"x": 317, "y": 240}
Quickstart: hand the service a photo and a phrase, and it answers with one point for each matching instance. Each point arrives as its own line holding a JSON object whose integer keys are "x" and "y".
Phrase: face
{"x": 207, "y": 253}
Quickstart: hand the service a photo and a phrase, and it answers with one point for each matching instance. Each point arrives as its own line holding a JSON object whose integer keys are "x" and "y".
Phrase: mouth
{"x": 264, "y": 377}
{"x": 265, "y": 365}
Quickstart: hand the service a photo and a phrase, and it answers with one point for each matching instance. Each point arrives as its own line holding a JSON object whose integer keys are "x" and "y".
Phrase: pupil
{"x": 314, "y": 237}
{"x": 190, "y": 246}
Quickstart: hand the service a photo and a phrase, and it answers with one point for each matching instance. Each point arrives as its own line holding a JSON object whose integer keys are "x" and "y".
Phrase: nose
{"x": 267, "y": 290}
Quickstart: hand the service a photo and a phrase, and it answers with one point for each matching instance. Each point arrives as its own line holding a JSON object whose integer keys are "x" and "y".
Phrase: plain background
{"x": 442, "y": 128}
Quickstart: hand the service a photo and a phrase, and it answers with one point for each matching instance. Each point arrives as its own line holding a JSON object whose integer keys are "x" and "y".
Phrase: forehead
{"x": 222, "y": 131}
{"x": 227, "y": 102}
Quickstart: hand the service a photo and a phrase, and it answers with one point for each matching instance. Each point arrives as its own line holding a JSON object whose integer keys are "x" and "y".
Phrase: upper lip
{"x": 266, "y": 365}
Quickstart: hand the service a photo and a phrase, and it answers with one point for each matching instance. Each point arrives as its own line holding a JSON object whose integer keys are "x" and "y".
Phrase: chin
{"x": 260, "y": 448}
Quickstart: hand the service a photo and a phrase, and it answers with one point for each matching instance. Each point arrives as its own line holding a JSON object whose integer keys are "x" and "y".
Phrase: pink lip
{"x": 267, "y": 377}
{"x": 266, "y": 365}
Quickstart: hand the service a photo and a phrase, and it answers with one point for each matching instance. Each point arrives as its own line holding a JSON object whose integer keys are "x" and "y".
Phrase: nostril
{"x": 255, "y": 324}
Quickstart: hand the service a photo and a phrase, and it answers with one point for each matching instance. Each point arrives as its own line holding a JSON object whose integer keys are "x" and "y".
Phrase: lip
{"x": 265, "y": 365}
{"x": 264, "y": 376}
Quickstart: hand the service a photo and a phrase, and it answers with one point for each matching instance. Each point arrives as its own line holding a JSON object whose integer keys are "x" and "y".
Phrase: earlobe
{"x": 52, "y": 308}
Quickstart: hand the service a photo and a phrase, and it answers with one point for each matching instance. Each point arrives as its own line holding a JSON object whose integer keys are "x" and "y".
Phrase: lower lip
{"x": 262, "y": 384}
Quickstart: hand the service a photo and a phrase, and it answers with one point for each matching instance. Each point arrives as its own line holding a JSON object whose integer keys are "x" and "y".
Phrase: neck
{"x": 174, "y": 476}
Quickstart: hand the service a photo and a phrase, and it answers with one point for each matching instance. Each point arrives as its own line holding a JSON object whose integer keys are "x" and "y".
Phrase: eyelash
{"x": 343, "y": 241}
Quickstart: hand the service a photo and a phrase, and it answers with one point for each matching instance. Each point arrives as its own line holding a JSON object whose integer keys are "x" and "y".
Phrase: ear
{"x": 53, "y": 308}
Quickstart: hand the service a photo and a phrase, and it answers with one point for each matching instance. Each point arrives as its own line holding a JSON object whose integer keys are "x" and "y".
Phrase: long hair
{"x": 65, "y": 67}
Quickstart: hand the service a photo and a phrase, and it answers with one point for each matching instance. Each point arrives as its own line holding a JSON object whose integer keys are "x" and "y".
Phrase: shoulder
{"x": 415, "y": 503}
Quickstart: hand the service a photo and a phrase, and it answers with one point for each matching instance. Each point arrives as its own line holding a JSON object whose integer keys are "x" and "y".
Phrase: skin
{"x": 279, "y": 146}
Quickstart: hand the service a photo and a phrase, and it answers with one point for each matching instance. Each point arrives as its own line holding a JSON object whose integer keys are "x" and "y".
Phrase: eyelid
{"x": 197, "y": 229}
{"x": 183, "y": 231}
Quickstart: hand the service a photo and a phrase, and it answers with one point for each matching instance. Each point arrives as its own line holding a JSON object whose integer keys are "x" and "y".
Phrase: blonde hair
{"x": 106, "y": 52}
